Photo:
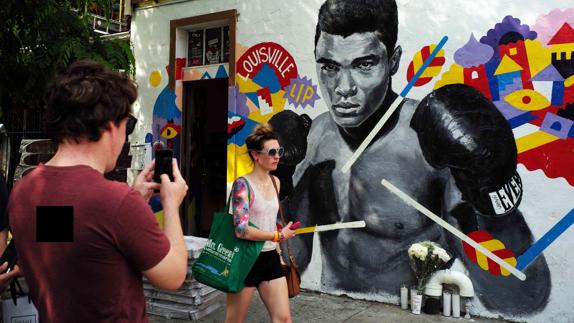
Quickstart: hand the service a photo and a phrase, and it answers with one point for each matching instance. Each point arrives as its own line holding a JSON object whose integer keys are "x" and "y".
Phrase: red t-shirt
{"x": 97, "y": 277}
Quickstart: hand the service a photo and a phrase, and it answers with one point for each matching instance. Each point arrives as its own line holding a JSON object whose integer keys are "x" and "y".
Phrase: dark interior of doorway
{"x": 204, "y": 152}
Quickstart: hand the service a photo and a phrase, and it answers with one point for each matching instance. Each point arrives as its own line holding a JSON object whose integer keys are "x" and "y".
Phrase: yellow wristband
{"x": 275, "y": 236}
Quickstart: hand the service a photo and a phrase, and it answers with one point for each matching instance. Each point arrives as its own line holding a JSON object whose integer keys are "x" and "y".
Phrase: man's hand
{"x": 144, "y": 182}
{"x": 172, "y": 193}
{"x": 6, "y": 278}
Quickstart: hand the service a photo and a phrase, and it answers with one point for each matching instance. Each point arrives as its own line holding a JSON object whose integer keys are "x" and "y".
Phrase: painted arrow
{"x": 447, "y": 226}
{"x": 329, "y": 227}
{"x": 393, "y": 107}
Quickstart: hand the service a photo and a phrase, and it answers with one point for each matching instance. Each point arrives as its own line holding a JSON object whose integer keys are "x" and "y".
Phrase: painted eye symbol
{"x": 527, "y": 100}
{"x": 170, "y": 131}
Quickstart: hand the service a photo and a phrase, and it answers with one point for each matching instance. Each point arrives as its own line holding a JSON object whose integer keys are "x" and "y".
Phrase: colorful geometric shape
{"x": 565, "y": 35}
{"x": 170, "y": 130}
{"x": 556, "y": 125}
{"x": 234, "y": 125}
{"x": 221, "y": 72}
{"x": 266, "y": 78}
{"x": 265, "y": 95}
{"x": 495, "y": 246}
{"x": 239, "y": 130}
{"x": 522, "y": 119}
{"x": 434, "y": 66}
{"x": 301, "y": 92}
{"x": 455, "y": 75}
{"x": 507, "y": 65}
{"x": 534, "y": 140}
{"x": 546, "y": 240}
{"x": 549, "y": 73}
{"x": 527, "y": 100}
{"x": 253, "y": 97}
{"x": 155, "y": 78}
{"x": 206, "y": 76}
{"x": 238, "y": 161}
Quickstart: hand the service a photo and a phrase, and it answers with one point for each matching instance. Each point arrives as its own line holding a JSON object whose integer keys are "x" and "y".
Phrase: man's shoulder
{"x": 407, "y": 111}
{"x": 321, "y": 128}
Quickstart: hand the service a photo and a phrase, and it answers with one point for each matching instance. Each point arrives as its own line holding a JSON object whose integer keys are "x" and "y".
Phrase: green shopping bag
{"x": 226, "y": 260}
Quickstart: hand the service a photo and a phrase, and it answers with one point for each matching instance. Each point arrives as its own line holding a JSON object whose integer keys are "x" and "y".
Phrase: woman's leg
{"x": 276, "y": 299}
{"x": 237, "y": 305}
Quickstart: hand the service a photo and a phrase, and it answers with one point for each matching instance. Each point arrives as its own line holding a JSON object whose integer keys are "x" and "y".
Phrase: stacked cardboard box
{"x": 192, "y": 301}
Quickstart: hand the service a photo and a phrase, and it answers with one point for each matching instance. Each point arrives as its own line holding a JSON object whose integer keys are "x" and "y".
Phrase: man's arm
{"x": 170, "y": 272}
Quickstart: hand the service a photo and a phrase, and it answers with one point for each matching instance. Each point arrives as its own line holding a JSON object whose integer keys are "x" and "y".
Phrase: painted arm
{"x": 505, "y": 294}
{"x": 462, "y": 132}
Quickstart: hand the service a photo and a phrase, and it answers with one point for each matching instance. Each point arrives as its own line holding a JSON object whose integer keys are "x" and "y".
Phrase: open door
{"x": 204, "y": 152}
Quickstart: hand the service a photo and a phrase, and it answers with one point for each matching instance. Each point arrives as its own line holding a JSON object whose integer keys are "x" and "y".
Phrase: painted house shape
{"x": 517, "y": 52}
{"x": 476, "y": 77}
{"x": 508, "y": 75}
{"x": 562, "y": 47}
{"x": 550, "y": 83}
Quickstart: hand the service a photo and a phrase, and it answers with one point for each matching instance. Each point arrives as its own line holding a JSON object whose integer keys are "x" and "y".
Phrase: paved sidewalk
{"x": 317, "y": 308}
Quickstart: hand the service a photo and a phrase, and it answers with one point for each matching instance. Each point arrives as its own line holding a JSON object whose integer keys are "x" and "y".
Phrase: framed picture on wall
{"x": 195, "y": 50}
{"x": 213, "y": 40}
{"x": 225, "y": 58}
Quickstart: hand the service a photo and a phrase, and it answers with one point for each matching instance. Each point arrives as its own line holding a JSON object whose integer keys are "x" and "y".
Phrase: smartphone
{"x": 163, "y": 164}
{"x": 295, "y": 225}
{"x": 9, "y": 256}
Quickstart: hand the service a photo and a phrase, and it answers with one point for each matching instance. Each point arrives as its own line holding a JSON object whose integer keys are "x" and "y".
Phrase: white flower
{"x": 441, "y": 253}
{"x": 418, "y": 251}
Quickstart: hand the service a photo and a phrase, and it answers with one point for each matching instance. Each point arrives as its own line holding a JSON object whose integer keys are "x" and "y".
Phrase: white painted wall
{"x": 292, "y": 25}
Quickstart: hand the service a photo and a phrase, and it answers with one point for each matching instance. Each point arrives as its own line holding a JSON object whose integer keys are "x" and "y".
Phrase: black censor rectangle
{"x": 54, "y": 223}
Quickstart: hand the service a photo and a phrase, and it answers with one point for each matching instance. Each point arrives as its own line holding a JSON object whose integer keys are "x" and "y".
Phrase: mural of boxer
{"x": 449, "y": 152}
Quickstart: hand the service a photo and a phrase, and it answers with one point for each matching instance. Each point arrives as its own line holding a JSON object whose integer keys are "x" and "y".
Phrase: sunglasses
{"x": 130, "y": 125}
{"x": 272, "y": 152}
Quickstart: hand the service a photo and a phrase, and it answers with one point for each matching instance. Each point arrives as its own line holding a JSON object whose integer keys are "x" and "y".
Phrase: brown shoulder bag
{"x": 291, "y": 270}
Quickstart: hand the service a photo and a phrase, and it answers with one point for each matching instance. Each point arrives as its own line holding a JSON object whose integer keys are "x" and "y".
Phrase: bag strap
{"x": 227, "y": 205}
{"x": 282, "y": 217}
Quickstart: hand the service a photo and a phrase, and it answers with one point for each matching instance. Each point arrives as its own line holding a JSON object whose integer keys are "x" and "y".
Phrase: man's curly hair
{"x": 85, "y": 98}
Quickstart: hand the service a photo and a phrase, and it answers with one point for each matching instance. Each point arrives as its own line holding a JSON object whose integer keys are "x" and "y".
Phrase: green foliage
{"x": 40, "y": 37}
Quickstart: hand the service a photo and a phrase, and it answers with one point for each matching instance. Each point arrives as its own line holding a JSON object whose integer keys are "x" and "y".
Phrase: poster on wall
{"x": 213, "y": 45}
{"x": 195, "y": 49}
{"x": 225, "y": 58}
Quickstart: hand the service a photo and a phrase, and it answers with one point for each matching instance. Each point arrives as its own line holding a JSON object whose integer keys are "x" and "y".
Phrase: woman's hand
{"x": 144, "y": 182}
{"x": 286, "y": 232}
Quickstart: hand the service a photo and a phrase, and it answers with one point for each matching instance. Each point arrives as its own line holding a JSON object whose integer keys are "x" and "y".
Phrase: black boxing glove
{"x": 292, "y": 130}
{"x": 459, "y": 128}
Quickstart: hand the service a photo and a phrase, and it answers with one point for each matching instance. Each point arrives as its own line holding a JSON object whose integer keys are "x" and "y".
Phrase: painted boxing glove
{"x": 459, "y": 128}
{"x": 292, "y": 130}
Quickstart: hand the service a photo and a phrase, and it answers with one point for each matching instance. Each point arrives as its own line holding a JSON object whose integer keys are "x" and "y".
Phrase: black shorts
{"x": 267, "y": 267}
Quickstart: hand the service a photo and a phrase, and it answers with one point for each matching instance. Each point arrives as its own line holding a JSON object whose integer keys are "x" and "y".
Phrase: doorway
{"x": 204, "y": 152}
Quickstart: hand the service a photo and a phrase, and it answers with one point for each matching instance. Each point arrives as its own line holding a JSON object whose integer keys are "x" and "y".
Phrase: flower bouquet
{"x": 425, "y": 258}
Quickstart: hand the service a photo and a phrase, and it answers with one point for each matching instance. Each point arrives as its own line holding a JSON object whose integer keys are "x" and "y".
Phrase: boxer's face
{"x": 354, "y": 74}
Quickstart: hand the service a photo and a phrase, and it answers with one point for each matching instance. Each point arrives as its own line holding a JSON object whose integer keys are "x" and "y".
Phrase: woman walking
{"x": 260, "y": 207}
